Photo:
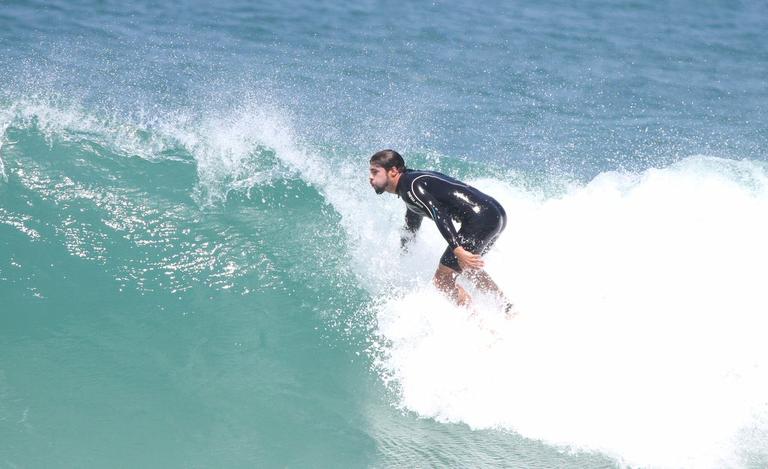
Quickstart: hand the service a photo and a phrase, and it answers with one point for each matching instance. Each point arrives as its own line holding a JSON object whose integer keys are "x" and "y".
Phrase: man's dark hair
{"x": 388, "y": 159}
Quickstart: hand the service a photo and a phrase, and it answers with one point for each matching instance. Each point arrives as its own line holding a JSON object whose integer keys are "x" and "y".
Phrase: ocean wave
{"x": 639, "y": 294}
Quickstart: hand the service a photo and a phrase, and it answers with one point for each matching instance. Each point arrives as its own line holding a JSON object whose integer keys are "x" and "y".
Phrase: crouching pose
{"x": 443, "y": 199}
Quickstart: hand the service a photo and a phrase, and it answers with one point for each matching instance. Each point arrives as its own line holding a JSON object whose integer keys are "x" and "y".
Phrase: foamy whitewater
{"x": 641, "y": 320}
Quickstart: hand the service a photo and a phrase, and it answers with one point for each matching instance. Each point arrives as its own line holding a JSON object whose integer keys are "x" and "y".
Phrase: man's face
{"x": 380, "y": 178}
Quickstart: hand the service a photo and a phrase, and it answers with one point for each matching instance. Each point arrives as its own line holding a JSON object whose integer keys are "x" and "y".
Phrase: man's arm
{"x": 438, "y": 212}
{"x": 442, "y": 219}
{"x": 412, "y": 224}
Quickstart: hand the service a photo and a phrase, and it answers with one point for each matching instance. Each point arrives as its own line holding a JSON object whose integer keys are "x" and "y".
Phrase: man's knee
{"x": 445, "y": 271}
{"x": 445, "y": 280}
{"x": 477, "y": 275}
{"x": 444, "y": 277}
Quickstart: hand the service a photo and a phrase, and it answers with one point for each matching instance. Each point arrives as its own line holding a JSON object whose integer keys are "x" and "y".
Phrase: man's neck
{"x": 396, "y": 182}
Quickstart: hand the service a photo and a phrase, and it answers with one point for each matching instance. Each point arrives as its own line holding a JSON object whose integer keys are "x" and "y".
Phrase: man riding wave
{"x": 444, "y": 200}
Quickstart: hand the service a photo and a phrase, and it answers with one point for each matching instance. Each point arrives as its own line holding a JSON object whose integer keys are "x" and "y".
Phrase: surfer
{"x": 444, "y": 199}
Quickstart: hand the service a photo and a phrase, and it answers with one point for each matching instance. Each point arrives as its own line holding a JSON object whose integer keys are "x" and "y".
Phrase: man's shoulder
{"x": 412, "y": 174}
{"x": 426, "y": 177}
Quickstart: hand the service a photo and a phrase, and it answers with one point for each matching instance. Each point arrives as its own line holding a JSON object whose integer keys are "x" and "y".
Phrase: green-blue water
{"x": 194, "y": 271}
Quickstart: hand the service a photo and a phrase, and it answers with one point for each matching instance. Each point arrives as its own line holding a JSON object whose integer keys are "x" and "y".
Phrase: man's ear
{"x": 392, "y": 172}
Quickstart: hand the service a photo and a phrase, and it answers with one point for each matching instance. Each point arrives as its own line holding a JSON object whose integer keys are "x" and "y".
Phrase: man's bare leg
{"x": 445, "y": 281}
{"x": 484, "y": 282}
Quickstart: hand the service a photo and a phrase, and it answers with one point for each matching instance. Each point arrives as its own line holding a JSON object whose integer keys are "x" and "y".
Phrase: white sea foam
{"x": 641, "y": 327}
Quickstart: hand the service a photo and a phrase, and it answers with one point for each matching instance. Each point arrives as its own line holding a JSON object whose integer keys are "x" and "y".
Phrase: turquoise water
{"x": 194, "y": 271}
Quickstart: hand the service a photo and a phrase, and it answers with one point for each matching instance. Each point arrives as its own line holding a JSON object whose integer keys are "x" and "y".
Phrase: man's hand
{"x": 467, "y": 260}
{"x": 404, "y": 241}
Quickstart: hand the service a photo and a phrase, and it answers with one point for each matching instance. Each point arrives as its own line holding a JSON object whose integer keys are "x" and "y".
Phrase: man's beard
{"x": 379, "y": 190}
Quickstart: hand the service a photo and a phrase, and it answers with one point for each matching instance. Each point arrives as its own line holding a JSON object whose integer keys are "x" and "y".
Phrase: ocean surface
{"x": 195, "y": 272}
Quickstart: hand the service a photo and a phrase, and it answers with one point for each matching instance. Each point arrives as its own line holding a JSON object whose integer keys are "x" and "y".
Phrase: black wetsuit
{"x": 443, "y": 199}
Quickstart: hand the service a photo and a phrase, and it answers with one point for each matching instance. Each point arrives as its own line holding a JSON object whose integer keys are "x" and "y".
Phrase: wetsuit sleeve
{"x": 439, "y": 214}
{"x": 412, "y": 224}
{"x": 412, "y": 221}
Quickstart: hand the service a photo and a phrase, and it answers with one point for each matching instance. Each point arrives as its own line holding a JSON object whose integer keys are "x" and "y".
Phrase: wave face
{"x": 195, "y": 272}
